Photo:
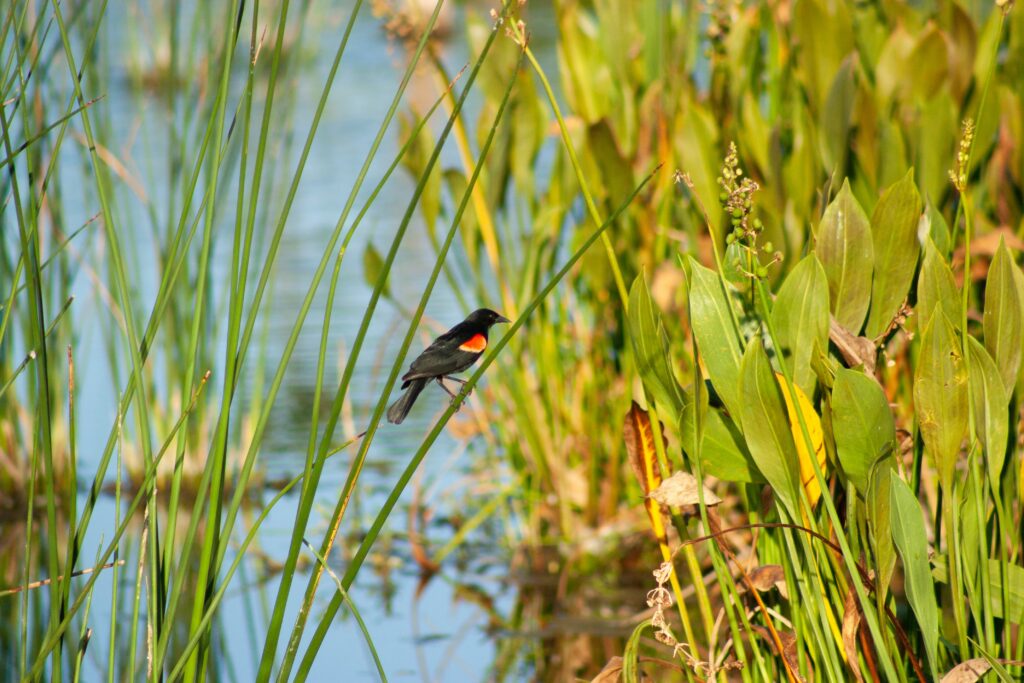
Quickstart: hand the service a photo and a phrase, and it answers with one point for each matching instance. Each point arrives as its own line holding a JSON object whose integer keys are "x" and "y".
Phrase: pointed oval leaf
{"x": 940, "y": 395}
{"x": 862, "y": 424}
{"x": 879, "y": 506}
{"x": 991, "y": 408}
{"x": 1002, "y": 321}
{"x": 936, "y": 287}
{"x": 723, "y": 453}
{"x": 846, "y": 253}
{"x": 800, "y": 317}
{"x": 910, "y": 537}
{"x": 766, "y": 427}
{"x": 808, "y": 478}
{"x": 894, "y": 234}
{"x": 717, "y": 337}
{"x": 651, "y": 350}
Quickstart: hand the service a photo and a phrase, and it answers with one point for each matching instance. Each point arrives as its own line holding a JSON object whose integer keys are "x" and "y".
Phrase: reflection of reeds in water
{"x": 192, "y": 460}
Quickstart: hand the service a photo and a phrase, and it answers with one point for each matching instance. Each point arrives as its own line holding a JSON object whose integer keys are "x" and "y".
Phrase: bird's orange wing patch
{"x": 474, "y": 344}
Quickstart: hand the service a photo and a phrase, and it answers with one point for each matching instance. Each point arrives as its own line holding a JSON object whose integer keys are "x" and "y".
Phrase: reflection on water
{"x": 443, "y": 629}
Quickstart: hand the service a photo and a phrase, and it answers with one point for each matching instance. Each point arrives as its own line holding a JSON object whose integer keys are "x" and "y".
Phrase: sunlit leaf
{"x": 836, "y": 115}
{"x": 862, "y": 424}
{"x": 991, "y": 408}
{"x": 940, "y": 396}
{"x": 812, "y": 421}
{"x": 766, "y": 427}
{"x": 1004, "y": 328}
{"x": 651, "y": 349}
{"x": 936, "y": 288}
{"x": 724, "y": 454}
{"x": 718, "y": 340}
{"x": 846, "y": 253}
{"x": 879, "y": 507}
{"x": 894, "y": 234}
{"x": 910, "y": 536}
{"x": 800, "y": 317}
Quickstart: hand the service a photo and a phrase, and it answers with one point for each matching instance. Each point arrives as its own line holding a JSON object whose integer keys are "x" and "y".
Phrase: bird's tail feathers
{"x": 400, "y": 408}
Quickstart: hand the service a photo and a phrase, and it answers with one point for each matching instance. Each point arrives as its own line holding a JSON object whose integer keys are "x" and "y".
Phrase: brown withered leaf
{"x": 788, "y": 653}
{"x": 973, "y": 669}
{"x": 767, "y": 577}
{"x": 854, "y": 350}
{"x": 681, "y": 489}
{"x": 639, "y": 438}
{"x": 611, "y": 673}
{"x": 851, "y": 624}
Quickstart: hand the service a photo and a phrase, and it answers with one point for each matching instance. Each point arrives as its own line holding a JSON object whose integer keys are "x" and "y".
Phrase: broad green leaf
{"x": 894, "y": 234}
{"x": 800, "y": 317}
{"x": 718, "y": 339}
{"x": 1002, "y": 322}
{"x": 1014, "y": 581}
{"x": 938, "y": 228}
{"x": 936, "y": 288}
{"x": 991, "y": 408}
{"x": 971, "y": 543}
{"x": 910, "y": 537}
{"x": 651, "y": 349}
{"x": 723, "y": 453}
{"x": 836, "y": 115}
{"x": 879, "y": 506}
{"x": 821, "y": 52}
{"x": 938, "y": 124}
{"x": 862, "y": 424}
{"x": 808, "y": 478}
{"x": 930, "y": 61}
{"x": 766, "y": 426}
{"x": 846, "y": 253}
{"x": 940, "y": 396}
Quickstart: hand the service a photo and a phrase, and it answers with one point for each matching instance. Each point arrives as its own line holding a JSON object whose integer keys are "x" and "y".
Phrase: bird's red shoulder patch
{"x": 474, "y": 344}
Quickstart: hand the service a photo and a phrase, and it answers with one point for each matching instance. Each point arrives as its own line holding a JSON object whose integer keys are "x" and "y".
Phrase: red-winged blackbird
{"x": 452, "y": 352}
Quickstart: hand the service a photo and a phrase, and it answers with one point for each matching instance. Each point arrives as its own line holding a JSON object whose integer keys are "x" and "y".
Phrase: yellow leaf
{"x": 813, "y": 421}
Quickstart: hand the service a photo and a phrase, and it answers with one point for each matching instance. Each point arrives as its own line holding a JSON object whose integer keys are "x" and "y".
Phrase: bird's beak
{"x": 502, "y": 319}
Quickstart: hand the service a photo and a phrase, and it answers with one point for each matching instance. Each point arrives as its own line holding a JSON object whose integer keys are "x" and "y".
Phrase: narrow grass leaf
{"x": 1002, "y": 321}
{"x": 718, "y": 339}
{"x": 909, "y": 534}
{"x": 651, "y": 348}
{"x": 847, "y": 256}
{"x": 894, "y": 234}
{"x": 801, "y": 316}
{"x": 631, "y": 655}
{"x": 766, "y": 427}
{"x": 862, "y": 424}
{"x": 991, "y": 408}
{"x": 940, "y": 396}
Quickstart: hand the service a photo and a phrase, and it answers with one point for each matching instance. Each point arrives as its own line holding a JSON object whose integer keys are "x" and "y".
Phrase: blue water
{"x": 432, "y": 636}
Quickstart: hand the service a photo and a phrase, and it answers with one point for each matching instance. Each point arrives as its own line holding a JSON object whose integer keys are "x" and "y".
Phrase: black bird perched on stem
{"x": 452, "y": 352}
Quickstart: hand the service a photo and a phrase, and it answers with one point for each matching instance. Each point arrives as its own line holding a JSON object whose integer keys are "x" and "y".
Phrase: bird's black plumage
{"x": 452, "y": 352}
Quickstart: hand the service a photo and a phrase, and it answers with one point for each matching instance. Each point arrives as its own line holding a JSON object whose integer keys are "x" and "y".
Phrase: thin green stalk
{"x": 206, "y": 576}
{"x": 56, "y": 631}
{"x": 360, "y": 457}
{"x": 352, "y": 606}
{"x": 43, "y": 423}
{"x": 369, "y": 539}
{"x": 867, "y": 606}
